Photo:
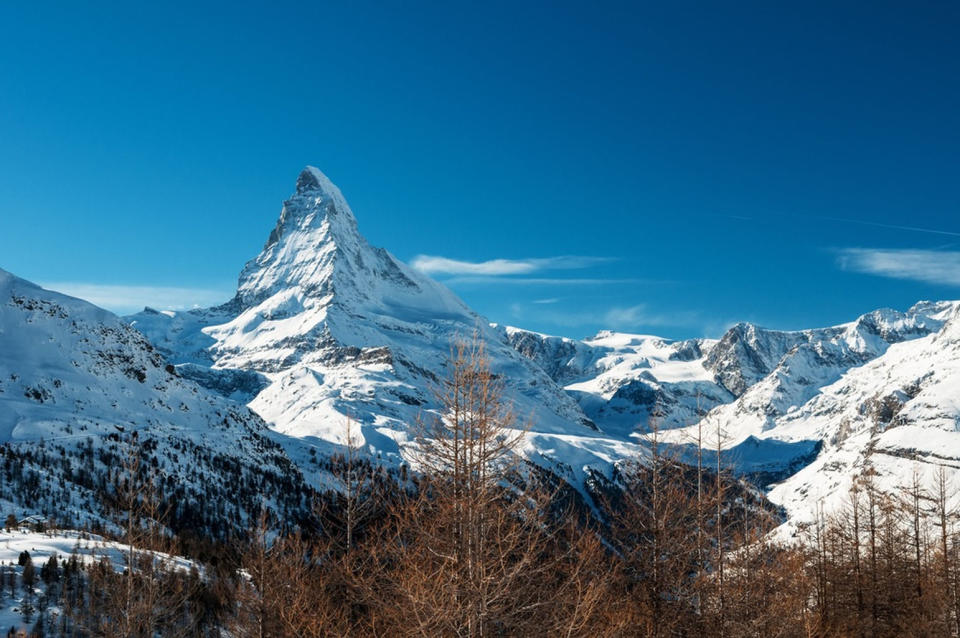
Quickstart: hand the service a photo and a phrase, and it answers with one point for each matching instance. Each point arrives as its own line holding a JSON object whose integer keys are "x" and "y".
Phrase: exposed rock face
{"x": 745, "y": 354}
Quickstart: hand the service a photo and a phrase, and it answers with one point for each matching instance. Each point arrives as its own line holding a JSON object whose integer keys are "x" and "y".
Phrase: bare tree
{"x": 720, "y": 540}
{"x": 355, "y": 478}
{"x": 467, "y": 454}
{"x": 946, "y": 556}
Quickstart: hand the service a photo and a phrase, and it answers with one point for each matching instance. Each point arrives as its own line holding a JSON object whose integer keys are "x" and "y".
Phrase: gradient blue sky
{"x": 794, "y": 165}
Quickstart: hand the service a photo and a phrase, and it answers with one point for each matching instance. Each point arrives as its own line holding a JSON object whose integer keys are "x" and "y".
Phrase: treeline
{"x": 476, "y": 545}
{"x": 206, "y": 493}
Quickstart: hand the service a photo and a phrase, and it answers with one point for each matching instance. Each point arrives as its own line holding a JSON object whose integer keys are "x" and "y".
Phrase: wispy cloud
{"x": 930, "y": 266}
{"x": 435, "y": 265}
{"x": 626, "y": 318}
{"x": 126, "y": 299}
{"x": 638, "y": 315}
{"x": 551, "y": 300}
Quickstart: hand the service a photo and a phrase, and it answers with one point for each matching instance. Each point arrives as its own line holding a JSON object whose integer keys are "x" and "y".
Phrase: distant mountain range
{"x": 325, "y": 328}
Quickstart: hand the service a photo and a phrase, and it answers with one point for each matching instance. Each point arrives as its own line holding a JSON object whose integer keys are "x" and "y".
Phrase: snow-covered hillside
{"x": 76, "y": 382}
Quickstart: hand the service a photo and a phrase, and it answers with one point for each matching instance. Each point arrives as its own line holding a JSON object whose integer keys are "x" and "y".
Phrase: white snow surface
{"x": 897, "y": 414}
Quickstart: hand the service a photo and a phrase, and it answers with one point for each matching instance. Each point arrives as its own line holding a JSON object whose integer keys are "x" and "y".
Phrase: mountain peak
{"x": 316, "y": 192}
{"x": 313, "y": 180}
{"x": 316, "y": 250}
{"x": 315, "y": 226}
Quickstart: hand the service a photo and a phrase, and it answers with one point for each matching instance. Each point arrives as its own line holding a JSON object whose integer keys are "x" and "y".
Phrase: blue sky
{"x": 565, "y": 167}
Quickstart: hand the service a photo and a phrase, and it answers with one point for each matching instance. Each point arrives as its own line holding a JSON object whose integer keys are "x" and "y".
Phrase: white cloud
{"x": 930, "y": 266}
{"x": 435, "y": 265}
{"x": 127, "y": 299}
{"x": 441, "y": 265}
{"x": 551, "y": 300}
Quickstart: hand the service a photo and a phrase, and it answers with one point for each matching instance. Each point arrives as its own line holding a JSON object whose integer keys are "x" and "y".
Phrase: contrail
{"x": 846, "y": 220}
{"x": 914, "y": 229}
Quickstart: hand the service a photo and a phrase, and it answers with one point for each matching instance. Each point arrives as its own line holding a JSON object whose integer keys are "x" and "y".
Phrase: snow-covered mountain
{"x": 325, "y": 327}
{"x": 76, "y": 382}
{"x": 894, "y": 415}
{"x": 621, "y": 380}
{"x": 836, "y": 400}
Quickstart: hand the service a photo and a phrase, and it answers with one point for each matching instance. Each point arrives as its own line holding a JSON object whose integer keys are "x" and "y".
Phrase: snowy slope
{"x": 815, "y": 359}
{"x": 76, "y": 382}
{"x": 897, "y": 414}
